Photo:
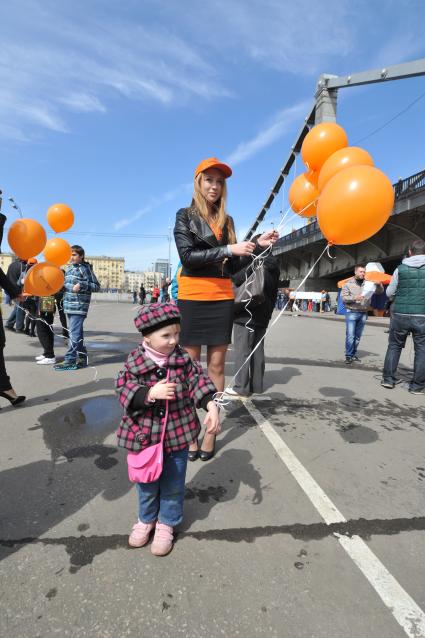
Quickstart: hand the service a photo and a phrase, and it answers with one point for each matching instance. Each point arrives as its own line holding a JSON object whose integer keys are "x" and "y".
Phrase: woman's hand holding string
{"x": 242, "y": 249}
{"x": 268, "y": 239}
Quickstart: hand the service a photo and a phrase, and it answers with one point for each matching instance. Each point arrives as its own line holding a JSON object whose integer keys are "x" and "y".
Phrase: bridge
{"x": 298, "y": 250}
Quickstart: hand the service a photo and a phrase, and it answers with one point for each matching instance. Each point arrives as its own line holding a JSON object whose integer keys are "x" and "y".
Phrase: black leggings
{"x": 45, "y": 333}
{"x": 4, "y": 379}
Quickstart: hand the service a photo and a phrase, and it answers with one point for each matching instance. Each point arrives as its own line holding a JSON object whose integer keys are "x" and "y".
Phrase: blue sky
{"x": 108, "y": 106}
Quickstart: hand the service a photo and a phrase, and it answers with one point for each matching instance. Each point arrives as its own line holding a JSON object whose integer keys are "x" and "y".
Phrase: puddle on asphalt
{"x": 93, "y": 414}
{"x": 358, "y": 434}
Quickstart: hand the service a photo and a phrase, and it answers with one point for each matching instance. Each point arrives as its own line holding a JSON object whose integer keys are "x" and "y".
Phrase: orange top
{"x": 206, "y": 288}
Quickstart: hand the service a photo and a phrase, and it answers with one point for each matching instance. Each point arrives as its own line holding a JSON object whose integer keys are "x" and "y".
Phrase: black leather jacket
{"x": 201, "y": 254}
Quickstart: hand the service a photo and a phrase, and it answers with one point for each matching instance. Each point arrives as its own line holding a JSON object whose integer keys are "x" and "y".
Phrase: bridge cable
{"x": 404, "y": 110}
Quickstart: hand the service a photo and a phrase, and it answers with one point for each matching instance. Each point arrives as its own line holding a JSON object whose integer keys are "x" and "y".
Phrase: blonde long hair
{"x": 218, "y": 216}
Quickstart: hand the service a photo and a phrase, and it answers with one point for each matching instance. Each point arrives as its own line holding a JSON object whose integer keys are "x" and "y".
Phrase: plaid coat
{"x": 194, "y": 389}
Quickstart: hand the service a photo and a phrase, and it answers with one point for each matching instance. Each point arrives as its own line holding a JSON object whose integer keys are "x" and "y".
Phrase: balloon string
{"x": 51, "y": 326}
{"x": 219, "y": 397}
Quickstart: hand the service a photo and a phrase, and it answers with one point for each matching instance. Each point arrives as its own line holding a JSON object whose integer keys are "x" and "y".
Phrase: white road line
{"x": 404, "y": 609}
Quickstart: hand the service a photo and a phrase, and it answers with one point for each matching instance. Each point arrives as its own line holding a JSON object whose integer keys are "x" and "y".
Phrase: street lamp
{"x": 15, "y": 206}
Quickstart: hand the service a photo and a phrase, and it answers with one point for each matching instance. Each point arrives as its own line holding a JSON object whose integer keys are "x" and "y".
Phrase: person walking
{"x": 249, "y": 327}
{"x": 407, "y": 289}
{"x": 80, "y": 282}
{"x": 13, "y": 290}
{"x": 155, "y": 294}
{"x": 357, "y": 306}
{"x": 158, "y": 383}
{"x": 206, "y": 242}
{"x": 142, "y": 294}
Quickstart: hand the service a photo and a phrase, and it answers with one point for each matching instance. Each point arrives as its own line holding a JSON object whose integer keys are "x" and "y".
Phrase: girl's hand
{"x": 163, "y": 390}
{"x": 212, "y": 420}
{"x": 242, "y": 249}
{"x": 268, "y": 239}
{"x": 76, "y": 288}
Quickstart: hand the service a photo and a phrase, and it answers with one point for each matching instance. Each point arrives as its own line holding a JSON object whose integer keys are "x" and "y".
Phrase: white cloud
{"x": 57, "y": 58}
{"x": 282, "y": 122}
{"x": 154, "y": 203}
{"x": 296, "y": 37}
{"x": 83, "y": 102}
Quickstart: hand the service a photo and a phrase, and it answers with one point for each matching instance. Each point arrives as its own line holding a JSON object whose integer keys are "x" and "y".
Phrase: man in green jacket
{"x": 408, "y": 289}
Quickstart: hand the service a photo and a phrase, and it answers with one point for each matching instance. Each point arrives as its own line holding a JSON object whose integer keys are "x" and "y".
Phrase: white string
{"x": 51, "y": 326}
{"x": 218, "y": 398}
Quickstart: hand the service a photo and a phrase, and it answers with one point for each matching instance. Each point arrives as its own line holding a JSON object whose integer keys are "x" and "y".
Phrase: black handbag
{"x": 251, "y": 290}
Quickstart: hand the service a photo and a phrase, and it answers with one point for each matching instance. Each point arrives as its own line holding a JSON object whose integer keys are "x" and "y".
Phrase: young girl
{"x": 156, "y": 372}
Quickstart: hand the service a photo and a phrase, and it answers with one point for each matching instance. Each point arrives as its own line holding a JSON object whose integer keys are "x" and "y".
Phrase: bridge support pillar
{"x": 325, "y": 104}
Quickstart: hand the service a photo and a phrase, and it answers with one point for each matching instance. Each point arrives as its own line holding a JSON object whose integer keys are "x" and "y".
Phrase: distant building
{"x": 5, "y": 260}
{"x": 163, "y": 266}
{"x": 152, "y": 279}
{"x": 133, "y": 279}
{"x": 109, "y": 271}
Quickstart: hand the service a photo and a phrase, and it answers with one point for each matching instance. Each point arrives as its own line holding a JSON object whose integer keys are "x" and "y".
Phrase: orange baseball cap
{"x": 213, "y": 162}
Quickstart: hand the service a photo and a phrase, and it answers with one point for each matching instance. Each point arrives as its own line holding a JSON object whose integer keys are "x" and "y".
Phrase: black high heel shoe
{"x": 13, "y": 400}
{"x": 206, "y": 456}
{"x": 193, "y": 455}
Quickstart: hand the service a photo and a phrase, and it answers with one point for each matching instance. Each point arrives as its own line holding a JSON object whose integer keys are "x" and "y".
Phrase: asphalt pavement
{"x": 309, "y": 522}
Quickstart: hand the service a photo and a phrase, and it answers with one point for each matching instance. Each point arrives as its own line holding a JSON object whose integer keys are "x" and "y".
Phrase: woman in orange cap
{"x": 209, "y": 253}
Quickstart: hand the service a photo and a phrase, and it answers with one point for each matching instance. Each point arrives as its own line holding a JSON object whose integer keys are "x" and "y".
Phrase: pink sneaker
{"x": 140, "y": 534}
{"x": 163, "y": 540}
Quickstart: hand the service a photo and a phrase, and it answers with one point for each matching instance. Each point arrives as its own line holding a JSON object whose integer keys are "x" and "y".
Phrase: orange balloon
{"x": 58, "y": 251}
{"x": 355, "y": 204}
{"x": 43, "y": 279}
{"x": 60, "y": 217}
{"x": 321, "y": 142}
{"x": 313, "y": 177}
{"x": 302, "y": 196}
{"x": 345, "y": 157}
{"x": 26, "y": 238}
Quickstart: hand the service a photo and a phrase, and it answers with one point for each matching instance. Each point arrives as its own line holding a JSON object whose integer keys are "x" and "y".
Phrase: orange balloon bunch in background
{"x": 27, "y": 238}
{"x": 351, "y": 197}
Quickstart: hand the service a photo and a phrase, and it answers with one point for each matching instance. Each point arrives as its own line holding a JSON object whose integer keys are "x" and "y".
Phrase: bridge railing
{"x": 412, "y": 184}
{"x": 402, "y": 188}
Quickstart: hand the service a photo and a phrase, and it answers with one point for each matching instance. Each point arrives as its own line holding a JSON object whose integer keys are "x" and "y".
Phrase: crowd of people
{"x": 34, "y": 316}
{"x": 162, "y": 383}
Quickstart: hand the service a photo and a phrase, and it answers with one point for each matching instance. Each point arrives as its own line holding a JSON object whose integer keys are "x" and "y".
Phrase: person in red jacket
{"x": 155, "y": 294}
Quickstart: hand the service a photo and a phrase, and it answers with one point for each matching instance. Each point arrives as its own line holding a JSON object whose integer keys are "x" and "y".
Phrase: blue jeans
{"x": 354, "y": 323}
{"x": 400, "y": 327}
{"x": 163, "y": 499}
{"x": 76, "y": 348}
{"x": 16, "y": 316}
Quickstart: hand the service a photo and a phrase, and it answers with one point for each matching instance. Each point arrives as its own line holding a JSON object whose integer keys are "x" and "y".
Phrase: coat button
{"x": 161, "y": 413}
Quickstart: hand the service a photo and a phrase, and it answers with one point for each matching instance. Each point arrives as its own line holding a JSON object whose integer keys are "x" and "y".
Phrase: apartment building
{"x": 109, "y": 271}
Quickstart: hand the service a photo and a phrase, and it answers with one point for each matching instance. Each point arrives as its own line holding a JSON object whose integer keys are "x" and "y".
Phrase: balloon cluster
{"x": 27, "y": 238}
{"x": 351, "y": 198}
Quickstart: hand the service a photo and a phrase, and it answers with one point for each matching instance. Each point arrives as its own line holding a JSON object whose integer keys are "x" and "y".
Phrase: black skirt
{"x": 206, "y": 323}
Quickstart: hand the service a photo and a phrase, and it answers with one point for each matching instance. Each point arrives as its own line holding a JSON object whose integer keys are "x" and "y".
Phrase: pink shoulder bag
{"x": 146, "y": 466}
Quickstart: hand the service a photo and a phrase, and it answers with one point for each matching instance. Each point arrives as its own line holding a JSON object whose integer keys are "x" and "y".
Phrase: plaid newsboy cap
{"x": 154, "y": 316}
